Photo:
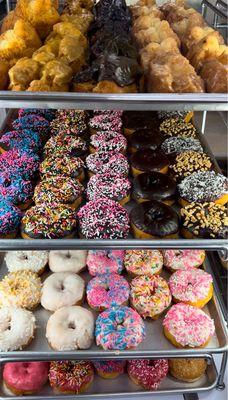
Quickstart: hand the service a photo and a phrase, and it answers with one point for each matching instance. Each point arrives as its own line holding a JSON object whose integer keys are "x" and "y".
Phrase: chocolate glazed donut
{"x": 145, "y": 139}
{"x": 147, "y": 161}
{"x": 154, "y": 186}
{"x": 154, "y": 219}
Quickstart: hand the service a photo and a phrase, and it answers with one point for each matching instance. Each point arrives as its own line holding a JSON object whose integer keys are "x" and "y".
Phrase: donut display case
{"x": 113, "y": 207}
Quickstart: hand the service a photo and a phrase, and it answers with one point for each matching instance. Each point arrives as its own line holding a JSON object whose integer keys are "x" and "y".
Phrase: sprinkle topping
{"x": 70, "y": 375}
{"x": 143, "y": 262}
{"x": 177, "y": 145}
{"x": 15, "y": 190}
{"x": 58, "y": 189}
{"x": 10, "y": 217}
{"x": 189, "y": 162}
{"x": 108, "y": 162}
{"x": 106, "y": 185}
{"x": 65, "y": 165}
{"x": 109, "y": 141}
{"x": 149, "y": 373}
{"x": 63, "y": 144}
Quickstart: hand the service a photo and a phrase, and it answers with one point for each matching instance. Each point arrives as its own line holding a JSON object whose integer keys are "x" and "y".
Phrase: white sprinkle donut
{"x": 62, "y": 289}
{"x": 34, "y": 261}
{"x": 17, "y": 328}
{"x": 70, "y": 328}
{"x": 67, "y": 260}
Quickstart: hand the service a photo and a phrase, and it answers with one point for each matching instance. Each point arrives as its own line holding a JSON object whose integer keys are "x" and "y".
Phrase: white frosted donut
{"x": 67, "y": 260}
{"x": 62, "y": 289}
{"x": 17, "y": 328}
{"x": 70, "y": 328}
{"x": 26, "y": 260}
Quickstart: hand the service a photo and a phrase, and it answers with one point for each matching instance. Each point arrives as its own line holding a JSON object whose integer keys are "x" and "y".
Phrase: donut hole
{"x": 178, "y": 253}
{"x": 24, "y": 257}
{"x": 62, "y": 287}
{"x": 71, "y": 325}
{"x": 68, "y": 255}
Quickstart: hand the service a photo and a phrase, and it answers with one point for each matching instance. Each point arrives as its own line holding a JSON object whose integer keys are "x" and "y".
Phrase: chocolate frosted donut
{"x": 148, "y": 160}
{"x": 145, "y": 139}
{"x": 154, "y": 186}
{"x": 177, "y": 127}
{"x": 64, "y": 144}
{"x": 188, "y": 162}
{"x": 133, "y": 120}
{"x": 154, "y": 219}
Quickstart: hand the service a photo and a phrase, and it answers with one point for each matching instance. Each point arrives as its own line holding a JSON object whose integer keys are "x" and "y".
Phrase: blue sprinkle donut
{"x": 26, "y": 140}
{"x": 16, "y": 190}
{"x": 119, "y": 328}
{"x": 10, "y": 218}
{"x": 16, "y": 162}
{"x": 108, "y": 290}
{"x": 36, "y": 123}
{"x": 49, "y": 115}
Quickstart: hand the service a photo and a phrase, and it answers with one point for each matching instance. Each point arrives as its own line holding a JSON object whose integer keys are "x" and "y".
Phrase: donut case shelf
{"x": 155, "y": 345}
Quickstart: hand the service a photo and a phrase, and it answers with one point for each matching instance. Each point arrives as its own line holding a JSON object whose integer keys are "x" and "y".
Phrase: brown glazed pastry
{"x": 215, "y": 75}
{"x": 153, "y": 220}
{"x": 4, "y": 78}
{"x": 147, "y": 161}
{"x": 133, "y": 120}
{"x": 204, "y": 220}
{"x": 144, "y": 139}
{"x": 187, "y": 369}
{"x": 112, "y": 87}
{"x": 154, "y": 186}
{"x": 188, "y": 162}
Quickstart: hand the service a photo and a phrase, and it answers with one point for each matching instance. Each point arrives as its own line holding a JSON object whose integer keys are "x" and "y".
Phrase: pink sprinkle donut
{"x": 148, "y": 373}
{"x": 106, "y": 121}
{"x": 183, "y": 259}
{"x": 188, "y": 326}
{"x": 105, "y": 261}
{"x": 115, "y": 188}
{"x": 25, "y": 377}
{"x": 108, "y": 141}
{"x": 103, "y": 219}
{"x": 108, "y": 290}
{"x": 111, "y": 162}
{"x": 193, "y": 287}
{"x": 109, "y": 369}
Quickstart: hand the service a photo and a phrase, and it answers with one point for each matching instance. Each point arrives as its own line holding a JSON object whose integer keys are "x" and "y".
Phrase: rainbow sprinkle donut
{"x": 108, "y": 290}
{"x": 105, "y": 261}
{"x": 10, "y": 218}
{"x": 143, "y": 262}
{"x": 109, "y": 369}
{"x": 119, "y": 328}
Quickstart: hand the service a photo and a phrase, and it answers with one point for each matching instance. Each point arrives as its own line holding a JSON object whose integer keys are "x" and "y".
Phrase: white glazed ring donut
{"x": 70, "y": 328}
{"x": 67, "y": 260}
{"x": 17, "y": 328}
{"x": 34, "y": 261}
{"x": 62, "y": 289}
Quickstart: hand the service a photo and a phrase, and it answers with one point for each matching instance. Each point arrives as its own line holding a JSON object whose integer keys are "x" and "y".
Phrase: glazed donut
{"x": 10, "y": 219}
{"x": 154, "y": 186}
{"x": 20, "y": 289}
{"x": 119, "y": 328}
{"x": 108, "y": 290}
{"x": 62, "y": 289}
{"x": 143, "y": 139}
{"x": 16, "y": 328}
{"x": 16, "y": 191}
{"x": 23, "y": 378}
{"x": 115, "y": 188}
{"x": 147, "y": 373}
{"x": 146, "y": 224}
{"x": 19, "y": 163}
{"x": 185, "y": 115}
{"x": 187, "y": 369}
{"x": 143, "y": 262}
{"x": 103, "y": 219}
{"x": 59, "y": 189}
{"x": 177, "y": 127}
{"x": 72, "y": 167}
{"x": 48, "y": 114}
{"x": 205, "y": 220}
{"x": 35, "y": 122}
{"x": 27, "y": 140}
{"x": 176, "y": 145}
{"x": 70, "y": 328}
{"x": 34, "y": 261}
{"x": 70, "y": 377}
{"x": 105, "y": 122}
{"x": 67, "y": 260}
{"x": 183, "y": 259}
{"x": 150, "y": 295}
{"x": 202, "y": 187}
{"x": 107, "y": 162}
{"x": 109, "y": 369}
{"x": 188, "y": 162}
{"x": 147, "y": 161}
{"x": 193, "y": 287}
{"x": 108, "y": 141}
{"x": 65, "y": 144}
{"x": 187, "y": 326}
{"x": 105, "y": 261}
{"x": 48, "y": 221}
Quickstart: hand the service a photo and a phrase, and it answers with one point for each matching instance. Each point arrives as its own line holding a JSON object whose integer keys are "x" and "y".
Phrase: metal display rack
{"x": 143, "y": 101}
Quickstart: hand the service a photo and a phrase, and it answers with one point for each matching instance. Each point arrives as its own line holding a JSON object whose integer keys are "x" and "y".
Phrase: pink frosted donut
{"x": 183, "y": 259}
{"x": 193, "y": 287}
{"x": 188, "y": 326}
{"x": 108, "y": 290}
{"x": 107, "y": 162}
{"x": 108, "y": 141}
{"x": 109, "y": 369}
{"x": 105, "y": 261}
{"x": 25, "y": 377}
{"x": 148, "y": 373}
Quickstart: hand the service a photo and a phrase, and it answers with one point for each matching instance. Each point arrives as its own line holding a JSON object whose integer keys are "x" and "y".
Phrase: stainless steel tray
{"x": 155, "y": 343}
{"x": 123, "y": 387}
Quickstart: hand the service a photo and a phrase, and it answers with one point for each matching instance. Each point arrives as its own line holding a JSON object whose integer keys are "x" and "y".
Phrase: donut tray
{"x": 123, "y": 387}
{"x": 155, "y": 344}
